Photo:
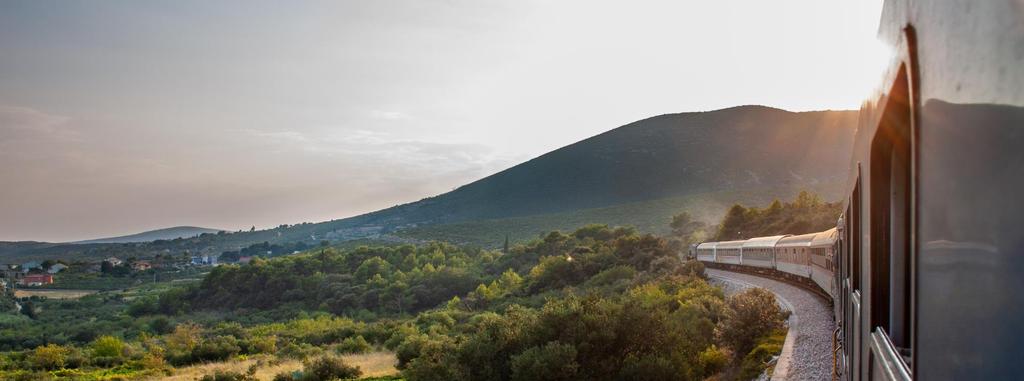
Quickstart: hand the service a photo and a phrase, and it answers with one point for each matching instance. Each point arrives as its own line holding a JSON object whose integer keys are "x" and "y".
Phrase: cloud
{"x": 22, "y": 122}
{"x": 388, "y": 115}
{"x": 380, "y": 150}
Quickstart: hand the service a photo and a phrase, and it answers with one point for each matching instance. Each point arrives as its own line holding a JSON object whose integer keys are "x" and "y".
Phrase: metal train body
{"x": 809, "y": 256}
{"x": 927, "y": 267}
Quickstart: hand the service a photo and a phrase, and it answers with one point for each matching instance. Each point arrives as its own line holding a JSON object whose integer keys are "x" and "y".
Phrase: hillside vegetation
{"x": 806, "y": 214}
{"x": 598, "y": 303}
{"x": 652, "y": 216}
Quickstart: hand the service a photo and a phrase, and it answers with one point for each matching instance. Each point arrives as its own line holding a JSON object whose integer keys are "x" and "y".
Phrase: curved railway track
{"x": 807, "y": 353}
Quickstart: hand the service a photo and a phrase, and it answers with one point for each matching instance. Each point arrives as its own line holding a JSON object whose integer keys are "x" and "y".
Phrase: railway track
{"x": 807, "y": 353}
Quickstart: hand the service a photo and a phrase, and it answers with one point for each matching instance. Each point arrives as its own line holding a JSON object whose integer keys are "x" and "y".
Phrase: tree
{"x": 108, "y": 346}
{"x": 48, "y": 357}
{"x": 750, "y": 315}
{"x": 733, "y": 223}
{"x": 683, "y": 225}
{"x": 505, "y": 248}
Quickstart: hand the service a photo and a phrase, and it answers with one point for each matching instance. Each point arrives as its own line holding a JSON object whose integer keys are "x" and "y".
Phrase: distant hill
{"x": 638, "y": 174}
{"x": 153, "y": 235}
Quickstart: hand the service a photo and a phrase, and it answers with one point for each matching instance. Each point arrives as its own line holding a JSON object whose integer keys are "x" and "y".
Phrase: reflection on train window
{"x": 890, "y": 223}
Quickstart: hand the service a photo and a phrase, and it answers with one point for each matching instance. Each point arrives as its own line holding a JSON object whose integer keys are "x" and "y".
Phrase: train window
{"x": 890, "y": 223}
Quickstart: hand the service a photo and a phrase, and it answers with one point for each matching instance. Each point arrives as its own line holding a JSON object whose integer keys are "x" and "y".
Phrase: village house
{"x": 29, "y": 266}
{"x": 141, "y": 265}
{"x": 244, "y": 260}
{"x": 204, "y": 260}
{"x": 56, "y": 268}
{"x": 113, "y": 261}
{"x": 36, "y": 279}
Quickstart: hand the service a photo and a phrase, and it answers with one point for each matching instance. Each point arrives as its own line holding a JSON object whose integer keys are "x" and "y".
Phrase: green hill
{"x": 730, "y": 150}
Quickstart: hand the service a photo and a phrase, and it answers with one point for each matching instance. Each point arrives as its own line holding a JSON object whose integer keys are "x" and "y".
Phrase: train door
{"x": 891, "y": 252}
{"x": 853, "y": 284}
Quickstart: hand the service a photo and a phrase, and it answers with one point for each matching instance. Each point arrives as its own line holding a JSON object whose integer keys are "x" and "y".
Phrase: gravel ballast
{"x": 808, "y": 352}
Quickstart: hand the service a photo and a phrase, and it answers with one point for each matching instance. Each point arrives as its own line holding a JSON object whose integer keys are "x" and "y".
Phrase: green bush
{"x": 328, "y": 368}
{"x": 750, "y": 315}
{"x": 108, "y": 346}
{"x": 553, "y": 362}
{"x": 218, "y": 348}
{"x": 299, "y": 351}
{"x": 107, "y": 351}
{"x": 713, "y": 360}
{"x": 427, "y": 359}
{"x": 648, "y": 368}
{"x": 355, "y": 344}
{"x": 48, "y": 357}
{"x": 755, "y": 362}
{"x": 228, "y": 376}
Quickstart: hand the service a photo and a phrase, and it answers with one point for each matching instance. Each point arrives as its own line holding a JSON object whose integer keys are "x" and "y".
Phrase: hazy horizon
{"x": 117, "y": 118}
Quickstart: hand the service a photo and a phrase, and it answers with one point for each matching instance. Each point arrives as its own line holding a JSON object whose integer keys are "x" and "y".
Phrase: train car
{"x": 792, "y": 255}
{"x": 705, "y": 252}
{"x": 928, "y": 257}
{"x": 932, "y": 250}
{"x": 822, "y": 252}
{"x": 760, "y": 251}
{"x": 729, "y": 252}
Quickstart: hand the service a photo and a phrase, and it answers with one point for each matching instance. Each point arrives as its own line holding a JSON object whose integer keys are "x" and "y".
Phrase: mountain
{"x": 153, "y": 235}
{"x": 639, "y": 174}
{"x": 734, "y": 149}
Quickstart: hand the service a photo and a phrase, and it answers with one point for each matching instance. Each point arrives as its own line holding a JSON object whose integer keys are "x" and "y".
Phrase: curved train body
{"x": 807, "y": 256}
{"x": 926, "y": 268}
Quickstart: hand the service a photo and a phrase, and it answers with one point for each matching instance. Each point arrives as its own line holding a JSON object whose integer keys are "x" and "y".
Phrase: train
{"x": 805, "y": 258}
{"x": 925, "y": 267}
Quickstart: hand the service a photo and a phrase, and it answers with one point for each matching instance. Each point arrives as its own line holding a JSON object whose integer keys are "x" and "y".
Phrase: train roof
{"x": 796, "y": 240}
{"x": 763, "y": 242}
{"x": 825, "y": 238}
{"x": 707, "y": 245}
{"x": 730, "y": 245}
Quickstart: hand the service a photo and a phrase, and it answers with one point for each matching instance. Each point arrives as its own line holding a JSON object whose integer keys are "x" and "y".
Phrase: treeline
{"x": 363, "y": 282}
{"x": 388, "y": 281}
{"x": 265, "y": 249}
{"x": 805, "y": 214}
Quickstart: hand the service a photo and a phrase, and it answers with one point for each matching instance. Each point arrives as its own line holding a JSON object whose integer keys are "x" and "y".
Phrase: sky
{"x": 123, "y": 116}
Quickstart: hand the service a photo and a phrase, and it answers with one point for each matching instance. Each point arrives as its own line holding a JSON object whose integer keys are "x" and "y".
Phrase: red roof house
{"x": 37, "y": 279}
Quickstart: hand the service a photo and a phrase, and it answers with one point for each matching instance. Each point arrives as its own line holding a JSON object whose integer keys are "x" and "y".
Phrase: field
{"x": 53, "y": 294}
{"x": 375, "y": 364}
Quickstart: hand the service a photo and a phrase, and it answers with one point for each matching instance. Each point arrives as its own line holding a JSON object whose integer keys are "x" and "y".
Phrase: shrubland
{"x": 597, "y": 303}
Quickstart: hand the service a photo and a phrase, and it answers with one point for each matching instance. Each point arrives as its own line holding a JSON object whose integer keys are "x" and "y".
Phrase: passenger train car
{"x": 926, "y": 266}
{"x": 807, "y": 257}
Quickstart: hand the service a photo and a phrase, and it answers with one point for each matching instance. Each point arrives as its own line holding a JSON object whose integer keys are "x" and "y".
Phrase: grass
{"x": 53, "y": 294}
{"x": 374, "y": 364}
{"x": 762, "y": 358}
